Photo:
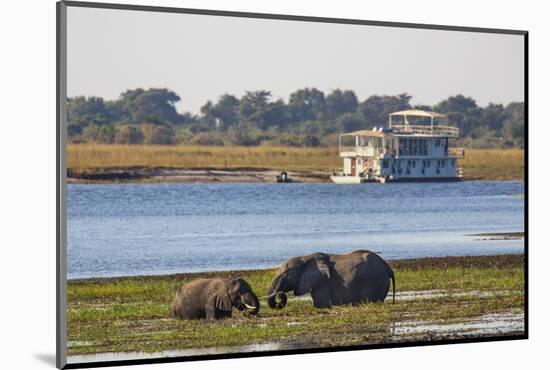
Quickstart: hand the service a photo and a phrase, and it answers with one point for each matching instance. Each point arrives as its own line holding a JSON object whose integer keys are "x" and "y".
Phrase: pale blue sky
{"x": 202, "y": 57}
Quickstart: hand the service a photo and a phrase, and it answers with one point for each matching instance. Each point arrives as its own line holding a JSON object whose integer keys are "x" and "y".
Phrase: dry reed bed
{"x": 86, "y": 156}
{"x": 489, "y": 164}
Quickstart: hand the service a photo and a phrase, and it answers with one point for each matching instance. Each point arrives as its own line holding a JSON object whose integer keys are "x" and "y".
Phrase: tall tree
{"x": 252, "y": 107}
{"x": 339, "y": 102}
{"x": 349, "y": 122}
{"x": 376, "y": 108}
{"x": 513, "y": 129}
{"x": 493, "y": 116}
{"x": 82, "y": 111}
{"x": 306, "y": 104}
{"x": 225, "y": 110}
{"x": 462, "y": 112}
{"x": 151, "y": 106}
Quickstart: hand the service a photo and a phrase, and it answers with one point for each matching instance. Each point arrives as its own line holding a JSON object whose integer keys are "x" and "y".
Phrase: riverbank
{"x": 437, "y": 299}
{"x": 95, "y": 163}
{"x": 189, "y": 176}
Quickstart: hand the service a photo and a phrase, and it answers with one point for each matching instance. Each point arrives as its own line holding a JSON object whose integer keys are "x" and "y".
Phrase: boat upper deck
{"x": 414, "y": 131}
{"x": 412, "y": 122}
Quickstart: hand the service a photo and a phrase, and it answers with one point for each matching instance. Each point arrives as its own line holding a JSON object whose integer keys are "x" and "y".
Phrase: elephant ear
{"x": 315, "y": 273}
{"x": 219, "y": 298}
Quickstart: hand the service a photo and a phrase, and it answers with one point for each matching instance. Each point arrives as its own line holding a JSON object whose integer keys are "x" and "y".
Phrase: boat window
{"x": 404, "y": 148}
{"x": 437, "y": 143}
{"x": 443, "y": 163}
{"x": 385, "y": 164}
{"x": 398, "y": 120}
{"x": 424, "y": 147}
{"x": 347, "y": 140}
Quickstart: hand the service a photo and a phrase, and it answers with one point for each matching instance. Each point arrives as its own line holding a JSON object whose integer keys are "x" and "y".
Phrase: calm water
{"x": 136, "y": 229}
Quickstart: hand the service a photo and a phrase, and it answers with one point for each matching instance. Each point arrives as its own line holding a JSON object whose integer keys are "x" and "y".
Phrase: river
{"x": 152, "y": 229}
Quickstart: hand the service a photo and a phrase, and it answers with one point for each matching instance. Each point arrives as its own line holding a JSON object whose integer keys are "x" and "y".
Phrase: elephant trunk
{"x": 274, "y": 292}
{"x": 251, "y": 303}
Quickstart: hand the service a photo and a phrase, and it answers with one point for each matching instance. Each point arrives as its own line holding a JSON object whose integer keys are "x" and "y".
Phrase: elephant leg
{"x": 376, "y": 291}
{"x": 212, "y": 313}
{"x": 222, "y": 314}
{"x": 321, "y": 298}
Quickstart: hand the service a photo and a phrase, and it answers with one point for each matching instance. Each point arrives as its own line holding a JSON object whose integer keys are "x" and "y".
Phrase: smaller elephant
{"x": 214, "y": 299}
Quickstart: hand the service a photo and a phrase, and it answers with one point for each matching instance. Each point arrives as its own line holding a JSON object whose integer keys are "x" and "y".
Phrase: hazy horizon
{"x": 203, "y": 57}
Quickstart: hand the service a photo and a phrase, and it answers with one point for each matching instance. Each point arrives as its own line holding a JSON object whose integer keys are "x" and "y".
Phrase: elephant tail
{"x": 392, "y": 276}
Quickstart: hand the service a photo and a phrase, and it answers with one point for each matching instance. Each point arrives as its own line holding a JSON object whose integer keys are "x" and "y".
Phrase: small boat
{"x": 283, "y": 178}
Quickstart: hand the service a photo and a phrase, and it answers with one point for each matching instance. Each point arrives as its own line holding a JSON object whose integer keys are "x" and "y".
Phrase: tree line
{"x": 310, "y": 118}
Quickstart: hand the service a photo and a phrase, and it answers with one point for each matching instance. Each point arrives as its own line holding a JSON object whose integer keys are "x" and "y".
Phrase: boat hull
{"x": 427, "y": 179}
{"x": 361, "y": 180}
{"x": 349, "y": 180}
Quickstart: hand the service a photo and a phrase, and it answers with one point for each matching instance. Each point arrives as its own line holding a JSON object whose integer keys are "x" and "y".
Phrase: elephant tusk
{"x": 250, "y": 307}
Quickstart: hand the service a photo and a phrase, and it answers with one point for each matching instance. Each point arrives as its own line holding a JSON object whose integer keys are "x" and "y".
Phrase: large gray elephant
{"x": 332, "y": 279}
{"x": 214, "y": 299}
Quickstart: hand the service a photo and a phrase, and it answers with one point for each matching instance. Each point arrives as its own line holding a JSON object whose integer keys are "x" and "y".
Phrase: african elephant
{"x": 333, "y": 279}
{"x": 214, "y": 299}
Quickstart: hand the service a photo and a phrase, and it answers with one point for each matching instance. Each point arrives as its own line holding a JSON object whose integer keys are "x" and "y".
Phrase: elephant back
{"x": 360, "y": 266}
{"x": 189, "y": 299}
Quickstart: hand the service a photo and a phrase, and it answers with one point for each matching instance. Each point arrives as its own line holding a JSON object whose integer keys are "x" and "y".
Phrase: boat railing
{"x": 366, "y": 151}
{"x": 448, "y": 131}
{"x": 347, "y": 149}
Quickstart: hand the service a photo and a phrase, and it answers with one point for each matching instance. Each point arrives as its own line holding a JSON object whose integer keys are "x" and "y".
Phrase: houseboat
{"x": 415, "y": 146}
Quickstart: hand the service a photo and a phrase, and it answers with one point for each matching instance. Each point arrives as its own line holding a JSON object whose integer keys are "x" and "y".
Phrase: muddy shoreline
{"x": 202, "y": 175}
{"x": 498, "y": 261}
{"x": 199, "y": 175}
{"x": 500, "y": 236}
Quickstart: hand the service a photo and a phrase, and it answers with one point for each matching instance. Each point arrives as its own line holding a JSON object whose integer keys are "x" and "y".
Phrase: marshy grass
{"x": 493, "y": 164}
{"x": 133, "y": 313}
{"x": 486, "y": 164}
{"x": 100, "y": 156}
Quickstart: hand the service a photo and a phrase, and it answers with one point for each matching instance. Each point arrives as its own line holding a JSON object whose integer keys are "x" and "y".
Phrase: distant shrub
{"x": 311, "y": 141}
{"x": 244, "y": 134}
{"x": 183, "y": 136}
{"x": 349, "y": 122}
{"x": 157, "y": 134}
{"x": 126, "y": 134}
{"x": 98, "y": 134}
{"x": 295, "y": 141}
{"x": 330, "y": 140}
{"x": 207, "y": 138}
{"x": 285, "y": 140}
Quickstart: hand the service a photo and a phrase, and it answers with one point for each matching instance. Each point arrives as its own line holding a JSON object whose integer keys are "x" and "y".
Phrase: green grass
{"x": 132, "y": 314}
